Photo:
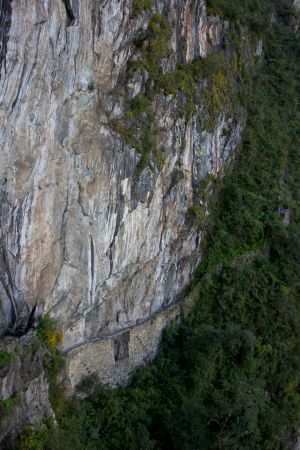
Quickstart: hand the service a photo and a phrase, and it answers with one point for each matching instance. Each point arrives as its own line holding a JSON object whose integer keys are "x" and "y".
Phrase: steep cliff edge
{"x": 118, "y": 121}
{"x": 102, "y": 152}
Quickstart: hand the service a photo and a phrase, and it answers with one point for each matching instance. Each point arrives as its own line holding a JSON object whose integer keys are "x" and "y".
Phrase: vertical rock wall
{"x": 86, "y": 236}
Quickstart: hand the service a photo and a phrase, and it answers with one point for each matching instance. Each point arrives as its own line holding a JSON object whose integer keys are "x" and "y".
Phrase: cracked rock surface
{"x": 84, "y": 235}
{"x": 23, "y": 384}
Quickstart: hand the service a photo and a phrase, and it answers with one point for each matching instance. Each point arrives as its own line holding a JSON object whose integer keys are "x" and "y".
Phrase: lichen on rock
{"x": 24, "y": 388}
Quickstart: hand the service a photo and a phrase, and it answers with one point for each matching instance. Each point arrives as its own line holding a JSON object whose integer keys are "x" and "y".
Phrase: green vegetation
{"x": 5, "y": 359}
{"x": 157, "y": 46}
{"x": 213, "y": 82}
{"x": 138, "y": 6}
{"x": 198, "y": 213}
{"x": 227, "y": 377}
{"x": 48, "y": 332}
{"x": 138, "y": 125}
{"x": 50, "y": 335}
{"x": 7, "y": 406}
{"x": 251, "y": 13}
{"x": 91, "y": 86}
{"x": 210, "y": 82}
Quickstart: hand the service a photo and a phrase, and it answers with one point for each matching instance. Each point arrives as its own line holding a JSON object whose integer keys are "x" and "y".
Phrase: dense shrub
{"x": 48, "y": 332}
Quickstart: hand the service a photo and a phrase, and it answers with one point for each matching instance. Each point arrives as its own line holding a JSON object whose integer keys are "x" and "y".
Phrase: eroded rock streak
{"x": 84, "y": 235}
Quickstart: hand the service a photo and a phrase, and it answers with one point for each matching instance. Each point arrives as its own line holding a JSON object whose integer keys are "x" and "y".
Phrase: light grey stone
{"x": 84, "y": 237}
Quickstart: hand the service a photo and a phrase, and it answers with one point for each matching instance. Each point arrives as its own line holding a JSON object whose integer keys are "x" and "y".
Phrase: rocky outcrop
{"x": 89, "y": 234}
{"x": 24, "y": 397}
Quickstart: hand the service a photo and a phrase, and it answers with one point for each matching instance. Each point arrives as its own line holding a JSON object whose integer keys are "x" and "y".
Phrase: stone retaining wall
{"x": 114, "y": 358}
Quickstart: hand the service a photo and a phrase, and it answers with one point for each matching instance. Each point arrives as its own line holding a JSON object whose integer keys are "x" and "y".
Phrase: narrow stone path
{"x": 123, "y": 330}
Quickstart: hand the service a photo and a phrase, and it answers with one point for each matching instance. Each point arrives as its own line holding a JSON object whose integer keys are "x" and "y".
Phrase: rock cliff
{"x": 24, "y": 389}
{"x": 97, "y": 176}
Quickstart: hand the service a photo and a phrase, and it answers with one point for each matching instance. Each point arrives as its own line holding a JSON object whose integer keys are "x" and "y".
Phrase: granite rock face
{"x": 85, "y": 236}
{"x": 23, "y": 385}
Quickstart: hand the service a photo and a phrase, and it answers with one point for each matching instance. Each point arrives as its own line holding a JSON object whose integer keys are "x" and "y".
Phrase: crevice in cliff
{"x": 20, "y": 84}
{"x": 80, "y": 199}
{"x": 7, "y": 283}
{"x": 92, "y": 268}
{"x": 20, "y": 319}
{"x": 70, "y": 14}
{"x": 5, "y": 24}
{"x": 117, "y": 226}
{"x": 22, "y": 328}
{"x": 63, "y": 229}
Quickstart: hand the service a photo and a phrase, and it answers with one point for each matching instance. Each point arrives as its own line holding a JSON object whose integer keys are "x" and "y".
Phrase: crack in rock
{"x": 5, "y": 24}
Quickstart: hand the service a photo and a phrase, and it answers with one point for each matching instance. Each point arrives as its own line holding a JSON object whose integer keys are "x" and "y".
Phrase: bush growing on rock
{"x": 48, "y": 332}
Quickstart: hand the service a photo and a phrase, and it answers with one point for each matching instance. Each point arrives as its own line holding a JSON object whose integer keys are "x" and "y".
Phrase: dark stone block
{"x": 121, "y": 346}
